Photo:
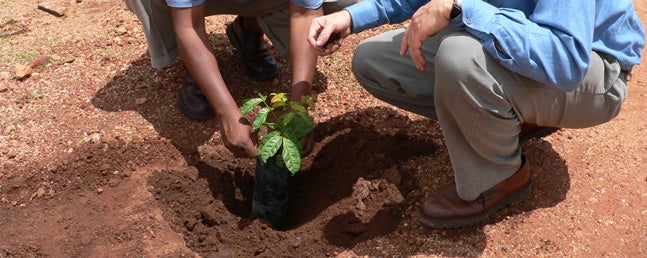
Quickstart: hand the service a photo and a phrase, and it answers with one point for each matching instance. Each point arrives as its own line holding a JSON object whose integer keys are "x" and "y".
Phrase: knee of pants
{"x": 459, "y": 60}
{"x": 360, "y": 63}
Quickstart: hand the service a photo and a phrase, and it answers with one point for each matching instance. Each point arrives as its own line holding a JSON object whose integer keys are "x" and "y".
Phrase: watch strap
{"x": 456, "y": 11}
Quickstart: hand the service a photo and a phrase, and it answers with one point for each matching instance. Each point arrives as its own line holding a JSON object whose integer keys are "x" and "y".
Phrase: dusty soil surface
{"x": 97, "y": 161}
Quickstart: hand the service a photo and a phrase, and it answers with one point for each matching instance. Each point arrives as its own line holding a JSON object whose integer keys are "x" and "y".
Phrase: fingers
{"x": 405, "y": 43}
{"x": 313, "y": 33}
{"x": 250, "y": 150}
{"x": 334, "y": 43}
{"x": 239, "y": 137}
{"x": 412, "y": 41}
{"x": 418, "y": 58}
{"x": 247, "y": 150}
{"x": 324, "y": 35}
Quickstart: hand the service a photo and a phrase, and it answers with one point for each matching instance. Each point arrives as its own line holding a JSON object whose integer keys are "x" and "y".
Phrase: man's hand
{"x": 333, "y": 27}
{"x": 426, "y": 22}
{"x": 238, "y": 136}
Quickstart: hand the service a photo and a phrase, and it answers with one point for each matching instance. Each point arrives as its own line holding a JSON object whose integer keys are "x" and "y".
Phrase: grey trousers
{"x": 479, "y": 103}
{"x": 273, "y": 16}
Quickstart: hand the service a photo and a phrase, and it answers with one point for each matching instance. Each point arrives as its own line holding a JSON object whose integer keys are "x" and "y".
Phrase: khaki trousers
{"x": 479, "y": 103}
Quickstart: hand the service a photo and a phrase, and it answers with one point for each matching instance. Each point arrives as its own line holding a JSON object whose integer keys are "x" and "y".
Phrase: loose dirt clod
{"x": 21, "y": 71}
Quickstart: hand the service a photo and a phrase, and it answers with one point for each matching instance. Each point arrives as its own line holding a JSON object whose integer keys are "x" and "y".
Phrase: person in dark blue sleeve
{"x": 494, "y": 74}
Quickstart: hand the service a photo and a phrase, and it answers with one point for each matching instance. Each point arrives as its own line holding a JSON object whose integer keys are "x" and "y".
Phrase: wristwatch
{"x": 456, "y": 10}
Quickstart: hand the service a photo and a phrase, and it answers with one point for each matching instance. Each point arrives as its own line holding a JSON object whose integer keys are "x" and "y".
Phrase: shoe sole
{"x": 190, "y": 113}
{"x": 443, "y": 223}
{"x": 231, "y": 35}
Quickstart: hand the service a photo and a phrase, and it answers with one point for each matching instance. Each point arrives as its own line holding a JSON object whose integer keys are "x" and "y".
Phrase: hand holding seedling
{"x": 238, "y": 136}
{"x": 292, "y": 122}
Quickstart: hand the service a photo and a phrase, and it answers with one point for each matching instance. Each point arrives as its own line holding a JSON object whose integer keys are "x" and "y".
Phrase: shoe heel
{"x": 523, "y": 194}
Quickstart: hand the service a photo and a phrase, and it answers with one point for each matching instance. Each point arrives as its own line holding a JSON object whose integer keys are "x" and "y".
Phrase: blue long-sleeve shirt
{"x": 549, "y": 41}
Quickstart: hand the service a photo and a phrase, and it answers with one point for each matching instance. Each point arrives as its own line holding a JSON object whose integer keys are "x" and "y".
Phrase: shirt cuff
{"x": 476, "y": 15}
{"x": 364, "y": 16}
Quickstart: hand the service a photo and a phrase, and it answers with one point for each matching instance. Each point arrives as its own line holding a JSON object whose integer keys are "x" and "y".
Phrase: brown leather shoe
{"x": 529, "y": 131}
{"x": 445, "y": 209}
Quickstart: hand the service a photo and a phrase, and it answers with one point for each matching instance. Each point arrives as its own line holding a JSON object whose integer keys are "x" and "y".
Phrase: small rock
{"x": 297, "y": 242}
{"x": 189, "y": 224}
{"x": 360, "y": 205}
{"x": 39, "y": 193}
{"x": 140, "y": 101}
{"x": 20, "y": 71}
{"x": 55, "y": 9}
{"x": 63, "y": 60}
{"x": 191, "y": 173}
{"x": 43, "y": 60}
{"x": 11, "y": 154}
{"x": 126, "y": 174}
{"x": 209, "y": 217}
{"x": 113, "y": 182}
{"x": 100, "y": 190}
{"x": 121, "y": 31}
{"x": 104, "y": 169}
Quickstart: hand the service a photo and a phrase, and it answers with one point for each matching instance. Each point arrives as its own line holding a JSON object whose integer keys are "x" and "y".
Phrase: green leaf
{"x": 291, "y": 155}
{"x": 285, "y": 119}
{"x": 279, "y": 100}
{"x": 309, "y": 101}
{"x": 301, "y": 125}
{"x": 249, "y": 104}
{"x": 263, "y": 97}
{"x": 298, "y": 107}
{"x": 279, "y": 160}
{"x": 279, "y": 97}
{"x": 260, "y": 118}
{"x": 308, "y": 119}
{"x": 270, "y": 144}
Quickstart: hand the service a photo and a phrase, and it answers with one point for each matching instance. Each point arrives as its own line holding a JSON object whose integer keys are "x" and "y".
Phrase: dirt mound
{"x": 350, "y": 191}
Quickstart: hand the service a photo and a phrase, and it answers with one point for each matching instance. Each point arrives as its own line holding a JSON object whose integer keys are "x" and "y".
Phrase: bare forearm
{"x": 303, "y": 58}
{"x": 197, "y": 54}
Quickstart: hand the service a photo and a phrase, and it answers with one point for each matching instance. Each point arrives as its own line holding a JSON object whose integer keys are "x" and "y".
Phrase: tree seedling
{"x": 288, "y": 122}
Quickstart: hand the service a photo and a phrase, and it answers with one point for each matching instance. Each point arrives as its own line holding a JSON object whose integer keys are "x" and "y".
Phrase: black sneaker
{"x": 192, "y": 102}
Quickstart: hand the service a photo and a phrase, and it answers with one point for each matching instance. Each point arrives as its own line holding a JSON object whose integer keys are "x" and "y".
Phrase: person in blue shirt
{"x": 177, "y": 27}
{"x": 493, "y": 74}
